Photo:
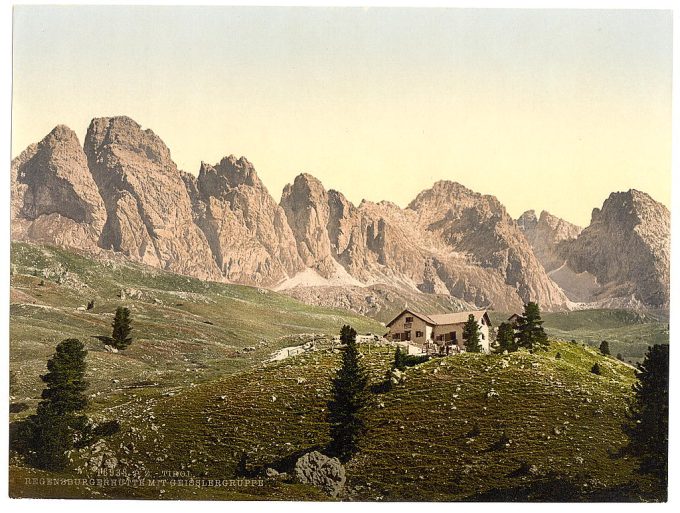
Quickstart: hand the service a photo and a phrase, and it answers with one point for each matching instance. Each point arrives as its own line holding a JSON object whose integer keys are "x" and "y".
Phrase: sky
{"x": 545, "y": 109}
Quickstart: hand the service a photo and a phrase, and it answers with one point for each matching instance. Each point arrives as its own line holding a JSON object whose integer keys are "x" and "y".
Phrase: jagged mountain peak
{"x": 125, "y": 134}
{"x": 229, "y": 173}
{"x": 128, "y": 196}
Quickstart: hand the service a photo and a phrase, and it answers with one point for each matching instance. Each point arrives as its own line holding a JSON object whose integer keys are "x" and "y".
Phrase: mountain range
{"x": 120, "y": 191}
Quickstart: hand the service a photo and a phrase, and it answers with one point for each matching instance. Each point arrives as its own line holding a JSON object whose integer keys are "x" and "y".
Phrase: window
{"x": 419, "y": 334}
{"x": 482, "y": 335}
{"x": 407, "y": 335}
{"x": 408, "y": 319}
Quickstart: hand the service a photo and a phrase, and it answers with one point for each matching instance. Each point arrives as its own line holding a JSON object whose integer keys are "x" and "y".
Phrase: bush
{"x": 596, "y": 369}
{"x": 403, "y": 360}
{"x": 558, "y": 356}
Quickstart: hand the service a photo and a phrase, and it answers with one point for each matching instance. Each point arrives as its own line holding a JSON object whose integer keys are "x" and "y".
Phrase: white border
{"x": 172, "y": 506}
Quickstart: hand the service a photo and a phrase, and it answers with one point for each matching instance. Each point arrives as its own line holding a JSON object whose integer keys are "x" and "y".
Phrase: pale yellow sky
{"x": 544, "y": 109}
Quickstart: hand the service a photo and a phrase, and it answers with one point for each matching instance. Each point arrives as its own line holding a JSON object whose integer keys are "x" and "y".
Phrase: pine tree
{"x": 647, "y": 426}
{"x": 50, "y": 432}
{"x": 347, "y": 334}
{"x": 505, "y": 338}
{"x": 121, "y": 328}
{"x": 345, "y": 409}
{"x": 471, "y": 335}
{"x": 530, "y": 333}
{"x": 604, "y": 348}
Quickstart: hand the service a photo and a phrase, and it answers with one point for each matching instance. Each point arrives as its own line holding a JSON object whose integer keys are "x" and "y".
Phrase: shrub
{"x": 596, "y": 369}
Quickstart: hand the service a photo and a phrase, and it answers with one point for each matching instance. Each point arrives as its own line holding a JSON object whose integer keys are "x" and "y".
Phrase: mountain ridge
{"x": 224, "y": 225}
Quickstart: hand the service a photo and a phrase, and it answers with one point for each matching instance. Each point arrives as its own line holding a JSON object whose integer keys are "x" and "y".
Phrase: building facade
{"x": 438, "y": 333}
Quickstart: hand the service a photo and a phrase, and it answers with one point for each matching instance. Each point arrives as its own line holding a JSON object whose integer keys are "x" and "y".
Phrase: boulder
{"x": 321, "y": 471}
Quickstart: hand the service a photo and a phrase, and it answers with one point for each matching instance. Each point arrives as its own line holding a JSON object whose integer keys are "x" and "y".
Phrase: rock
{"x": 54, "y": 197}
{"x": 545, "y": 234}
{"x": 123, "y": 192}
{"x": 321, "y": 471}
{"x": 248, "y": 232}
{"x": 110, "y": 349}
{"x": 270, "y": 472}
{"x": 149, "y": 212}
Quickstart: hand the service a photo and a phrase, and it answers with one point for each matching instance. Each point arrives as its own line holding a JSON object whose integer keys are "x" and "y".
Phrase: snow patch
{"x": 311, "y": 278}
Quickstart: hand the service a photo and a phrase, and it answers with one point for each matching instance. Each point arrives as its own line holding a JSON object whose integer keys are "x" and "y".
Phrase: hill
{"x": 186, "y": 330}
{"x": 466, "y": 427}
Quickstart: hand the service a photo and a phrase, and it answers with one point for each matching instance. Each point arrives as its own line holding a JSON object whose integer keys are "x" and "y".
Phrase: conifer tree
{"x": 647, "y": 426}
{"x": 530, "y": 333}
{"x": 604, "y": 348}
{"x": 121, "y": 334}
{"x": 471, "y": 335}
{"x": 350, "y": 395}
{"x": 347, "y": 334}
{"x": 49, "y": 433}
{"x": 505, "y": 338}
{"x": 122, "y": 330}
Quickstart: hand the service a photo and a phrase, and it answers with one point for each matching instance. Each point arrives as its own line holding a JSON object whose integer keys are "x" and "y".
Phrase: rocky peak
{"x": 306, "y": 205}
{"x": 126, "y": 135}
{"x": 545, "y": 234}
{"x": 149, "y": 211}
{"x": 527, "y": 221}
{"x": 627, "y": 247}
{"x": 247, "y": 231}
{"x": 228, "y": 174}
{"x": 54, "y": 198}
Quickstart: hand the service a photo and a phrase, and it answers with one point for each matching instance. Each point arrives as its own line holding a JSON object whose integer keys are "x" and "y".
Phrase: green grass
{"x": 186, "y": 331}
{"x": 190, "y": 400}
{"x": 561, "y": 419}
{"x": 628, "y": 332}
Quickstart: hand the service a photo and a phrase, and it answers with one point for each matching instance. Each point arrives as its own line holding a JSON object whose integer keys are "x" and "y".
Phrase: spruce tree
{"x": 530, "y": 333}
{"x": 122, "y": 329}
{"x": 604, "y": 348}
{"x": 347, "y": 334}
{"x": 647, "y": 426}
{"x": 345, "y": 409}
{"x": 471, "y": 335}
{"x": 49, "y": 433}
{"x": 505, "y": 338}
{"x": 121, "y": 334}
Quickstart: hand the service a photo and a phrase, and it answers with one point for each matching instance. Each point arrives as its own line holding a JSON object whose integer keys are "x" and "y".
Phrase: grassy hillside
{"x": 628, "y": 332}
{"x": 434, "y": 437}
{"x": 197, "y": 395}
{"x": 187, "y": 331}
